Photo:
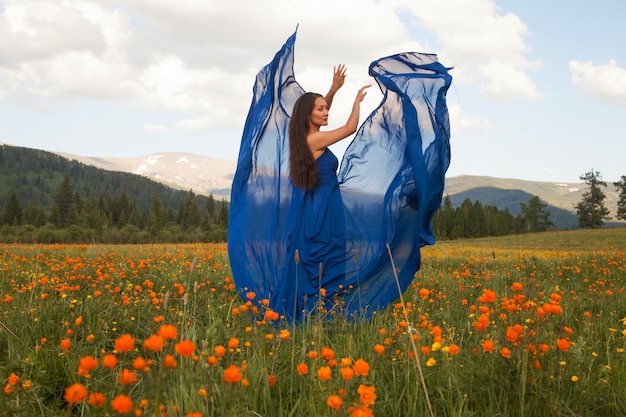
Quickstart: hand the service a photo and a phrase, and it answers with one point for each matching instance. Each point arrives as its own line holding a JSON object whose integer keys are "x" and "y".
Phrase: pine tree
{"x": 13, "y": 214}
{"x": 64, "y": 211}
{"x": 621, "y": 203}
{"x": 189, "y": 214}
{"x": 223, "y": 216}
{"x": 156, "y": 216}
{"x": 534, "y": 217}
{"x": 591, "y": 210}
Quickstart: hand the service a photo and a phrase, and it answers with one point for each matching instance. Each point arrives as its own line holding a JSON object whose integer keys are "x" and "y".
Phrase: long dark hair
{"x": 302, "y": 166}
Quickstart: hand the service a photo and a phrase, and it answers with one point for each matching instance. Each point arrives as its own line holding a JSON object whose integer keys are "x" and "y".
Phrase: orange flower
{"x": 193, "y": 415}
{"x": 96, "y": 399}
{"x": 212, "y": 360}
{"x": 127, "y": 377}
{"x": 154, "y": 343}
{"x": 232, "y": 374}
{"x": 488, "y": 346}
{"x": 284, "y": 334}
{"x": 366, "y": 394}
{"x": 65, "y": 344}
{"x": 335, "y": 402}
{"x": 271, "y": 315}
{"x": 505, "y": 352}
{"x": 13, "y": 379}
{"x": 140, "y": 364}
{"x": 511, "y": 335}
{"x": 233, "y": 343}
{"x": 185, "y": 348}
{"x": 361, "y": 368}
{"x": 327, "y": 353}
{"x": 378, "y": 348}
{"x": 169, "y": 361}
{"x": 124, "y": 343}
{"x": 302, "y": 369}
{"x": 109, "y": 361}
{"x": 517, "y": 286}
{"x": 168, "y": 331}
{"x": 347, "y": 374}
{"x": 453, "y": 349}
{"x": 122, "y": 404}
{"x": 563, "y": 344}
{"x": 360, "y": 411}
{"x": 250, "y": 295}
{"x": 86, "y": 364}
{"x": 489, "y": 296}
{"x": 311, "y": 354}
{"x": 324, "y": 373}
{"x": 219, "y": 350}
{"x": 75, "y": 393}
{"x": 271, "y": 380}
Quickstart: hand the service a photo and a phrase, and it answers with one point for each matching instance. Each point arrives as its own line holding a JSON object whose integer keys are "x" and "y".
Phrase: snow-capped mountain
{"x": 205, "y": 175}
{"x": 201, "y": 174}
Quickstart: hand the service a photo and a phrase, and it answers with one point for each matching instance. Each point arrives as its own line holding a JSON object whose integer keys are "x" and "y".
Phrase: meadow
{"x": 529, "y": 325}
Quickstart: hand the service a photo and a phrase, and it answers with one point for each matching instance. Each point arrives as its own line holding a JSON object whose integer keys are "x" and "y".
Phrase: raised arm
{"x": 318, "y": 140}
{"x": 339, "y": 76}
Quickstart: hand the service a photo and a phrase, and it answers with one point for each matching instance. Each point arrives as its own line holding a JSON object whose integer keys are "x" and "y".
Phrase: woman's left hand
{"x": 339, "y": 77}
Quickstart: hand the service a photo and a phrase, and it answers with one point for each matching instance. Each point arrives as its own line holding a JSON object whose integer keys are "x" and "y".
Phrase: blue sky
{"x": 539, "y": 90}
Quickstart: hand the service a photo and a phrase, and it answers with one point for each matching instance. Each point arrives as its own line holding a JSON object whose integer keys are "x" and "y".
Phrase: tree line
{"x": 108, "y": 218}
{"x": 472, "y": 219}
{"x": 117, "y": 218}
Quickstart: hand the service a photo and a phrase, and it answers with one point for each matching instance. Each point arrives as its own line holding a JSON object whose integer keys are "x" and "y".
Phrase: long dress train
{"x": 329, "y": 247}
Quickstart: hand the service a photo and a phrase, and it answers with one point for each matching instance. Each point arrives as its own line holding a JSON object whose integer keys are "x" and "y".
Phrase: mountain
{"x": 202, "y": 174}
{"x": 35, "y": 176}
{"x": 205, "y": 175}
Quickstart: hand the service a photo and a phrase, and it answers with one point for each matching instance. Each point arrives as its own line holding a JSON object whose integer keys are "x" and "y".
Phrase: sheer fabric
{"x": 329, "y": 247}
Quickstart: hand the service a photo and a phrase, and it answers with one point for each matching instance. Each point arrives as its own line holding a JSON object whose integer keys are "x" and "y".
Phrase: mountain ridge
{"x": 206, "y": 175}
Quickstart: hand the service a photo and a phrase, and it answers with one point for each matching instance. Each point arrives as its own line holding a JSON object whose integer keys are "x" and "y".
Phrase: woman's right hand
{"x": 360, "y": 95}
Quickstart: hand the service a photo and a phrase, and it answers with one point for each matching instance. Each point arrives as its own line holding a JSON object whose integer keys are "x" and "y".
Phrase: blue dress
{"x": 352, "y": 244}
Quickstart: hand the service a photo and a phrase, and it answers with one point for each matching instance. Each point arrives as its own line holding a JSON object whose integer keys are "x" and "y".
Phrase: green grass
{"x": 529, "y": 325}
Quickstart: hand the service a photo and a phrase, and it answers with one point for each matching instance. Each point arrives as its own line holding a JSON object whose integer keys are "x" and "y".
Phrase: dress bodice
{"x": 327, "y": 165}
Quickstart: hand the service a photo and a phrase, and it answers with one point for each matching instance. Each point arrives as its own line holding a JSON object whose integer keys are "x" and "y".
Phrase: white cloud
{"x": 502, "y": 81}
{"x": 484, "y": 45}
{"x": 199, "y": 57}
{"x": 462, "y": 122}
{"x": 606, "y": 83}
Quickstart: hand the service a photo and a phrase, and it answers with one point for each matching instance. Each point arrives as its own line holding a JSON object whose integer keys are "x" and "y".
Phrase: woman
{"x": 320, "y": 239}
{"x": 307, "y": 143}
{"x": 302, "y": 236}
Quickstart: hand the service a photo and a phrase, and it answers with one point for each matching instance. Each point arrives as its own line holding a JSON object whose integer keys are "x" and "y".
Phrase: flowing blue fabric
{"x": 333, "y": 248}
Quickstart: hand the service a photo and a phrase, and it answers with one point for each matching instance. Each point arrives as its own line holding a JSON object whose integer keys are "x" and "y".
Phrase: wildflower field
{"x": 531, "y": 325}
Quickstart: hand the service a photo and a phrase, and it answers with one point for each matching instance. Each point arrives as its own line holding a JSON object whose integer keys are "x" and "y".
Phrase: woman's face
{"x": 319, "y": 114}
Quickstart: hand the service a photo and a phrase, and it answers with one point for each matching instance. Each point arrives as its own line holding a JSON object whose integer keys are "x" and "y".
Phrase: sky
{"x": 538, "y": 91}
